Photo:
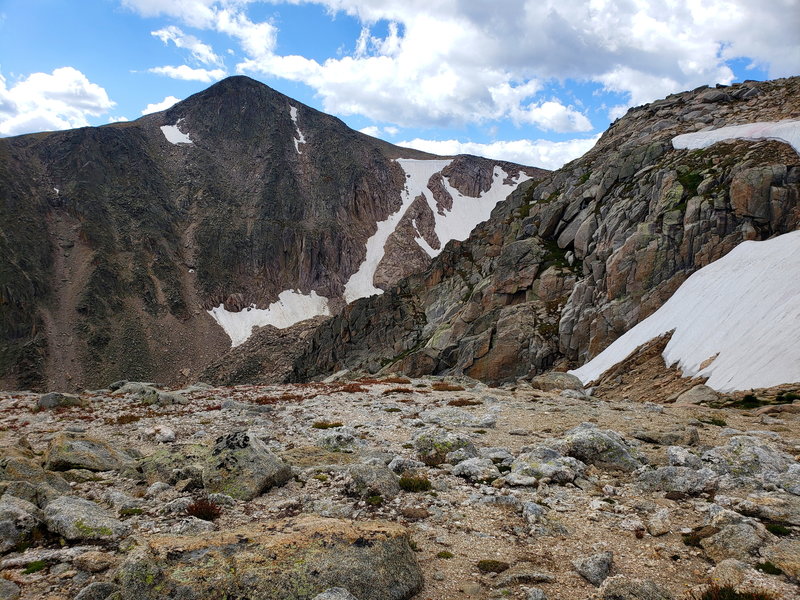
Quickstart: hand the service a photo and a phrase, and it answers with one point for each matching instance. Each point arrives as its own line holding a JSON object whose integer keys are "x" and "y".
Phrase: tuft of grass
{"x": 492, "y": 566}
{"x": 397, "y": 390}
{"x": 326, "y": 424}
{"x": 204, "y": 509}
{"x": 443, "y": 386}
{"x": 749, "y": 401}
{"x": 768, "y": 568}
{"x": 34, "y": 567}
{"x": 392, "y": 410}
{"x": 714, "y": 421}
{"x": 375, "y": 500}
{"x": 129, "y": 512}
{"x": 777, "y": 529}
{"x": 787, "y": 397}
{"x": 415, "y": 483}
{"x": 444, "y": 554}
{"x": 728, "y": 592}
{"x": 321, "y": 477}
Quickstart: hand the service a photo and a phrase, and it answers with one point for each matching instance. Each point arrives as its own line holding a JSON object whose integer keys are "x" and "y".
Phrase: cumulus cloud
{"x": 159, "y": 106}
{"x": 538, "y": 153}
{"x": 62, "y": 99}
{"x": 446, "y": 62}
{"x": 188, "y": 73}
{"x": 202, "y": 53}
{"x": 376, "y": 131}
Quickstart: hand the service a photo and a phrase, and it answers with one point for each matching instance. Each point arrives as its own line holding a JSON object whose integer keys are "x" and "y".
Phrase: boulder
{"x": 341, "y": 439}
{"x": 9, "y": 590}
{"x": 58, "y": 400}
{"x": 621, "y": 587}
{"x": 171, "y": 465}
{"x": 433, "y": 445}
{"x": 750, "y": 461}
{"x": 242, "y": 466}
{"x": 76, "y": 451}
{"x": 18, "y": 520}
{"x": 295, "y": 559}
{"x": 477, "y": 470}
{"x": 699, "y": 394}
{"x": 82, "y": 520}
{"x": 98, "y": 590}
{"x": 372, "y": 480}
{"x": 594, "y": 568}
{"x": 556, "y": 381}
{"x": 600, "y": 447}
{"x": 686, "y": 480}
{"x": 544, "y": 463}
{"x": 786, "y": 556}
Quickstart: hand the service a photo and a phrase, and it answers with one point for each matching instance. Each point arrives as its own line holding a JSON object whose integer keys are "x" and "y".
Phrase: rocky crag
{"x": 399, "y": 488}
{"x": 573, "y": 260}
{"x": 125, "y": 235}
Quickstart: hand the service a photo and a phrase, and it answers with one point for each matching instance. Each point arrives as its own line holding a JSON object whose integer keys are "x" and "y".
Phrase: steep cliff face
{"x": 118, "y": 240}
{"x": 572, "y": 261}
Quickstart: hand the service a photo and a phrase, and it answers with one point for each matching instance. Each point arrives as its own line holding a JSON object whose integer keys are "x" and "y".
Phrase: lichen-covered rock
{"x": 296, "y": 559}
{"x": 18, "y": 519}
{"x": 97, "y": 590}
{"x": 341, "y": 439}
{"x": 544, "y": 463}
{"x": 76, "y": 451}
{"x": 433, "y": 445}
{"x": 477, "y": 469}
{"x": 22, "y": 476}
{"x": 171, "y": 465}
{"x": 686, "y": 480}
{"x": 770, "y": 506}
{"x": 242, "y": 466}
{"x": 9, "y": 590}
{"x": 699, "y": 394}
{"x": 621, "y": 587}
{"x": 82, "y": 520}
{"x": 372, "y": 480}
{"x": 738, "y": 537}
{"x": 748, "y": 460}
{"x": 601, "y": 447}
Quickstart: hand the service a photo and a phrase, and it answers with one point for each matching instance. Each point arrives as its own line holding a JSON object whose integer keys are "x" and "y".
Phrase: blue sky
{"x": 534, "y": 81}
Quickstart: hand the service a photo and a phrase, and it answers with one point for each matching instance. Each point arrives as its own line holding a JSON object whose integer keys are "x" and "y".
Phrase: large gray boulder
{"x": 372, "y": 480}
{"x": 603, "y": 448}
{"x": 242, "y": 466}
{"x": 433, "y": 446}
{"x": 82, "y": 520}
{"x": 477, "y": 469}
{"x": 58, "y": 400}
{"x": 556, "y": 381}
{"x": 75, "y": 451}
{"x": 594, "y": 568}
{"x": 699, "y": 394}
{"x": 750, "y": 461}
{"x": 544, "y": 463}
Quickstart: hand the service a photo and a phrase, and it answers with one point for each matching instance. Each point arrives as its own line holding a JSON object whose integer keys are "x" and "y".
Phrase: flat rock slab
{"x": 293, "y": 559}
{"x": 72, "y": 451}
{"x": 79, "y": 519}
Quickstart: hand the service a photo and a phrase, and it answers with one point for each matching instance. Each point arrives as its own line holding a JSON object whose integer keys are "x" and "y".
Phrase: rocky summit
{"x": 252, "y": 354}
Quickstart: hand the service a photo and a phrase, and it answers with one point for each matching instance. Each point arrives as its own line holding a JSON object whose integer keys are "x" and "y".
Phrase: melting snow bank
{"x": 745, "y": 306}
{"x": 175, "y": 135}
{"x": 455, "y": 224}
{"x": 784, "y": 131}
{"x": 291, "y": 307}
{"x": 300, "y": 139}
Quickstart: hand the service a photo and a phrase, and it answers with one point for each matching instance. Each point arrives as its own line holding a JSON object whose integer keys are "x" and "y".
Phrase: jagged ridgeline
{"x": 570, "y": 262}
{"x": 118, "y": 240}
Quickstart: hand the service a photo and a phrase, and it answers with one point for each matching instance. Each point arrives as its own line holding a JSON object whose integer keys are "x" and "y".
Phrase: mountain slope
{"x": 573, "y": 261}
{"x": 128, "y": 234}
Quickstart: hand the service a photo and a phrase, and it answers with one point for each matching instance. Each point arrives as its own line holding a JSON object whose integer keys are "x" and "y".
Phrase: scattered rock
{"x": 58, "y": 400}
{"x": 786, "y": 556}
{"x": 476, "y": 469}
{"x": 18, "y": 520}
{"x": 699, "y": 394}
{"x": 594, "y": 568}
{"x": 98, "y": 590}
{"x": 621, "y": 587}
{"x": 75, "y": 451}
{"x": 433, "y": 445}
{"x": 372, "y": 480}
{"x": 544, "y": 463}
{"x": 556, "y": 381}
{"x": 601, "y": 447}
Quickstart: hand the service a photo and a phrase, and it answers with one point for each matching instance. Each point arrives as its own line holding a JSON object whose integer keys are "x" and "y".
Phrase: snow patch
{"x": 300, "y": 139}
{"x": 291, "y": 307}
{"x": 175, "y": 135}
{"x": 785, "y": 131}
{"x": 455, "y": 224}
{"x": 418, "y": 172}
{"x": 745, "y": 307}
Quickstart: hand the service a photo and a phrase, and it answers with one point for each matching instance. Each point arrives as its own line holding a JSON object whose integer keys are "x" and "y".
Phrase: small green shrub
{"x": 375, "y": 500}
{"x": 768, "y": 568}
{"x": 777, "y": 529}
{"x": 492, "y": 566}
{"x": 129, "y": 512}
{"x": 34, "y": 567}
{"x": 415, "y": 483}
{"x": 444, "y": 554}
{"x": 326, "y": 424}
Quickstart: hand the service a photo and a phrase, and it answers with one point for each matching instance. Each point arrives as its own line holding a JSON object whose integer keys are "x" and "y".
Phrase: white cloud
{"x": 119, "y": 119}
{"x": 159, "y": 106}
{"x": 447, "y": 62}
{"x": 376, "y": 131}
{"x": 187, "y": 73}
{"x": 536, "y": 153}
{"x": 202, "y": 53}
{"x": 371, "y": 130}
{"x": 62, "y": 99}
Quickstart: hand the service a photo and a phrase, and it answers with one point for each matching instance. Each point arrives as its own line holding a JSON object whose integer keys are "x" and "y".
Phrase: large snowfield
{"x": 745, "y": 308}
{"x": 291, "y": 307}
{"x": 175, "y": 135}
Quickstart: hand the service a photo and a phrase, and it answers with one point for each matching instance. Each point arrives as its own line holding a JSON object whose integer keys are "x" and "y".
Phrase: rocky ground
{"x": 396, "y": 488}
